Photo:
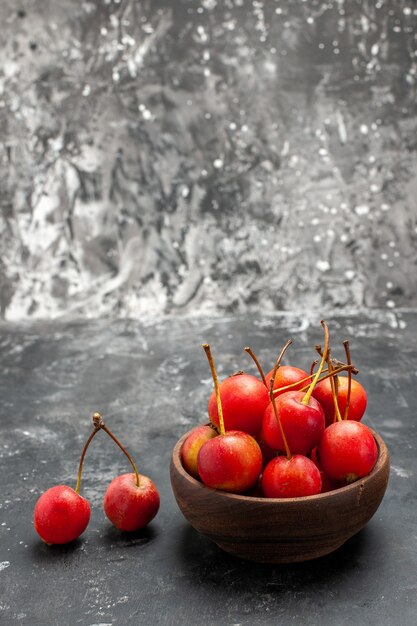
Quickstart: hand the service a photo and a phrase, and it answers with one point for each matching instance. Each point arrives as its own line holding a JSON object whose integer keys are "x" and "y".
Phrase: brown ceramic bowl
{"x": 278, "y": 530}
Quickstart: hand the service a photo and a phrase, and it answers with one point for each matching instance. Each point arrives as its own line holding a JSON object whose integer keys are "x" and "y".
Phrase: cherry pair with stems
{"x": 130, "y": 502}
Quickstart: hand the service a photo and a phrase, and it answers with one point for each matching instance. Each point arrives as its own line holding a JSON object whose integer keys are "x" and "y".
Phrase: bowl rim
{"x": 382, "y": 460}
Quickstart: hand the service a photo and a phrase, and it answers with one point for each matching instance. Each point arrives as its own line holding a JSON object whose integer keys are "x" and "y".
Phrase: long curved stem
{"x": 122, "y": 448}
{"x": 209, "y": 355}
{"x": 334, "y": 388}
{"x": 258, "y": 365}
{"x": 272, "y": 397}
{"x": 307, "y": 397}
{"x": 278, "y": 363}
{"x": 348, "y": 359}
{"x": 80, "y": 466}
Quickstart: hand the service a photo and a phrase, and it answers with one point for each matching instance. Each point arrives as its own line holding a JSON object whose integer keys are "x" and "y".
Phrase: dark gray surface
{"x": 151, "y": 382}
{"x": 157, "y": 156}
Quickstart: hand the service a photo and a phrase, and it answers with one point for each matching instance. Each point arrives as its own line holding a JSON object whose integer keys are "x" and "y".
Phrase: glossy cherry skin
{"x": 244, "y": 398}
{"x": 303, "y": 424}
{"x": 231, "y": 462}
{"x": 128, "y": 506}
{"x": 189, "y": 453}
{"x": 291, "y": 478}
{"x": 61, "y": 515}
{"x": 347, "y": 450}
{"x": 287, "y": 375}
{"x": 357, "y": 404}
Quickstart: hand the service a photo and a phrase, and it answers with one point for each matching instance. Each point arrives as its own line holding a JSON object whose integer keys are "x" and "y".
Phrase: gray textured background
{"x": 207, "y": 156}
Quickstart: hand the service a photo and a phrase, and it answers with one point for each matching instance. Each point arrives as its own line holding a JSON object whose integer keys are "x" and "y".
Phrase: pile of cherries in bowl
{"x": 286, "y": 434}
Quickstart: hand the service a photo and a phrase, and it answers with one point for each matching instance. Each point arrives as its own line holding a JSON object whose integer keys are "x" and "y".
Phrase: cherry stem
{"x": 279, "y": 390}
{"x": 83, "y": 453}
{"x": 353, "y": 369}
{"x": 337, "y": 363}
{"x": 99, "y": 419}
{"x": 343, "y": 368}
{"x": 209, "y": 356}
{"x": 278, "y": 363}
{"x": 272, "y": 397}
{"x": 309, "y": 391}
{"x": 334, "y": 388}
{"x": 258, "y": 365}
{"x": 313, "y": 365}
{"x": 348, "y": 359}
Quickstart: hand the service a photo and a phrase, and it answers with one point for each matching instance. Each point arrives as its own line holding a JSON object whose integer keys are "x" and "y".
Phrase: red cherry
{"x": 347, "y": 450}
{"x": 357, "y": 404}
{"x": 303, "y": 424}
{"x": 231, "y": 462}
{"x": 192, "y": 445}
{"x": 291, "y": 478}
{"x": 287, "y": 375}
{"x": 244, "y": 398}
{"x": 61, "y": 515}
{"x": 129, "y": 506}
{"x": 131, "y": 500}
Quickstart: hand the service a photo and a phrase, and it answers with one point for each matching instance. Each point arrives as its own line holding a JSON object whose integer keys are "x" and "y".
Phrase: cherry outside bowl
{"x": 279, "y": 530}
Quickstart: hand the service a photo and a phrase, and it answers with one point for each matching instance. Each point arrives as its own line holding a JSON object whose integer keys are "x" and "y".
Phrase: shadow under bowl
{"x": 280, "y": 530}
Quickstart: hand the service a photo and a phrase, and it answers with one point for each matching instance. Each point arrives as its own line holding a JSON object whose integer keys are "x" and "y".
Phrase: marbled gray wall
{"x": 211, "y": 156}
